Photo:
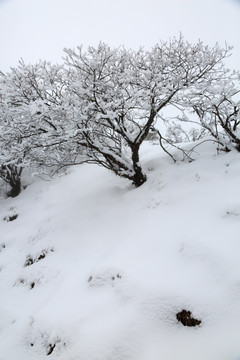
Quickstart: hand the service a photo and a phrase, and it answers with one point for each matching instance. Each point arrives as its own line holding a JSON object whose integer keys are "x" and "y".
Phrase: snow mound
{"x": 93, "y": 269}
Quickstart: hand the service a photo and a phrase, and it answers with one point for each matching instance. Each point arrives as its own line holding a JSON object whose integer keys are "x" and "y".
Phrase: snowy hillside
{"x": 92, "y": 268}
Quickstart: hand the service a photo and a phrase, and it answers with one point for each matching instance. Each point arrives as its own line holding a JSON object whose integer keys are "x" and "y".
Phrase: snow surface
{"x": 109, "y": 266}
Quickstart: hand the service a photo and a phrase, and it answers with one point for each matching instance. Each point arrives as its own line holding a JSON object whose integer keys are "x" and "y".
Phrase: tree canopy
{"x": 100, "y": 105}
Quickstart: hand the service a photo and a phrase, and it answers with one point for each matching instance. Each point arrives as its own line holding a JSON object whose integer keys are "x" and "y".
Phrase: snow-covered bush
{"x": 175, "y": 133}
{"x": 99, "y": 106}
{"x": 117, "y": 95}
{"x": 218, "y": 110}
{"x": 12, "y": 144}
{"x": 213, "y": 107}
{"x": 32, "y": 121}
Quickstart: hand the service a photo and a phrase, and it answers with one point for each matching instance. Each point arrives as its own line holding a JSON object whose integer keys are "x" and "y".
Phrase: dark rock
{"x": 10, "y": 217}
{"x": 50, "y": 348}
{"x": 186, "y": 319}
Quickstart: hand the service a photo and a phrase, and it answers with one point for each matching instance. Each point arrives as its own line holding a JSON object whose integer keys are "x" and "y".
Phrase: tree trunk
{"x": 139, "y": 177}
{"x": 15, "y": 188}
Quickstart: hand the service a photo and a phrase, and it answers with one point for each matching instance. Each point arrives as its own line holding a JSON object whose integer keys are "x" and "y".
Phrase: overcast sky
{"x": 34, "y": 29}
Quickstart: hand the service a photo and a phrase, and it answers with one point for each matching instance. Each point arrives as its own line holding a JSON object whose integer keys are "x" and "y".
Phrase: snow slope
{"x": 94, "y": 269}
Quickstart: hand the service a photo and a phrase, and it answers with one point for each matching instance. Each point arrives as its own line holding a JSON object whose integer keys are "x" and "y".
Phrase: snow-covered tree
{"x": 32, "y": 110}
{"x": 116, "y": 96}
{"x": 12, "y": 152}
{"x": 99, "y": 106}
{"x": 218, "y": 110}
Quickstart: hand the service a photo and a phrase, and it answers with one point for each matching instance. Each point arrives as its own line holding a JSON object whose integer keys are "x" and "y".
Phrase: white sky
{"x": 34, "y": 29}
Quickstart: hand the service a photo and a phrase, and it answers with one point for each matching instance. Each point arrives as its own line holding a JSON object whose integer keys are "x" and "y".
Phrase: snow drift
{"x": 92, "y": 268}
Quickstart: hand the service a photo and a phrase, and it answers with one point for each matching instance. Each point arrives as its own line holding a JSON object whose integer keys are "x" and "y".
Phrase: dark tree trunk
{"x": 15, "y": 188}
{"x": 139, "y": 177}
{"x": 12, "y": 175}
